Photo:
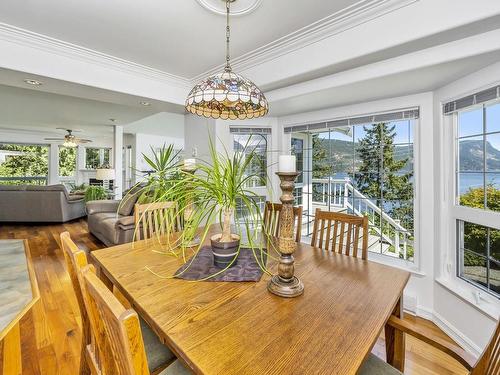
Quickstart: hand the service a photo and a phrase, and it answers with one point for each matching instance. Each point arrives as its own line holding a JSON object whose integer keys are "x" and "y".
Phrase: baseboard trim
{"x": 446, "y": 327}
{"x": 456, "y": 335}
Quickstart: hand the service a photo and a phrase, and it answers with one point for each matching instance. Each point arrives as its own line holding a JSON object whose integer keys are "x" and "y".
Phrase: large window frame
{"x": 483, "y": 133}
{"x": 451, "y": 214}
{"x": 419, "y": 150}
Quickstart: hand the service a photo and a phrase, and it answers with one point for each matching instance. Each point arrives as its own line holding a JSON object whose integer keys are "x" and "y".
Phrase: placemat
{"x": 246, "y": 268}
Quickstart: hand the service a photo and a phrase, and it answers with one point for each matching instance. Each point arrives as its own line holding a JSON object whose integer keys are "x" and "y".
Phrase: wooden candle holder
{"x": 285, "y": 284}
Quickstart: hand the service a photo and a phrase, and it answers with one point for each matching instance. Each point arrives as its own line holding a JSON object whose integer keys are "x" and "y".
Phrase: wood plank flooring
{"x": 51, "y": 337}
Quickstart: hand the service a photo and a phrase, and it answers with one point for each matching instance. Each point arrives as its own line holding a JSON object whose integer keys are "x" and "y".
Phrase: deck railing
{"x": 340, "y": 193}
{"x": 24, "y": 180}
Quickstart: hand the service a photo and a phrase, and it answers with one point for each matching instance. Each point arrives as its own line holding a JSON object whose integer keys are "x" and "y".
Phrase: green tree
{"x": 382, "y": 176}
{"x": 67, "y": 161}
{"x": 476, "y": 236}
{"x": 321, "y": 165}
{"x": 32, "y": 161}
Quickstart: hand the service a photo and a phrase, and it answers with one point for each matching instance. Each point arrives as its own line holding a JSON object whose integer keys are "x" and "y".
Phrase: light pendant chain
{"x": 228, "y": 34}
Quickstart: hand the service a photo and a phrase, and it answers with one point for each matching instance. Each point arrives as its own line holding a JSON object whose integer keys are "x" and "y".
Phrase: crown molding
{"x": 357, "y": 14}
{"x": 45, "y": 43}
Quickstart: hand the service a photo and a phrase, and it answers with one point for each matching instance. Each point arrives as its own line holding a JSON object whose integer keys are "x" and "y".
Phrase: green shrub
{"x": 95, "y": 193}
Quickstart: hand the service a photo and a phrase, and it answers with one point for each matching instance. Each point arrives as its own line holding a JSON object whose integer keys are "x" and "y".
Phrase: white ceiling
{"x": 41, "y": 111}
{"x": 167, "y": 35}
{"x": 408, "y": 82}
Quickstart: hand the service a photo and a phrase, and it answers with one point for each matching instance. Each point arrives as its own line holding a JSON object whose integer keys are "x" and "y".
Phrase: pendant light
{"x": 227, "y": 95}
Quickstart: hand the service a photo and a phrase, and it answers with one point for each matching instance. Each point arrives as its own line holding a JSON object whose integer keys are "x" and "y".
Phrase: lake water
{"x": 475, "y": 180}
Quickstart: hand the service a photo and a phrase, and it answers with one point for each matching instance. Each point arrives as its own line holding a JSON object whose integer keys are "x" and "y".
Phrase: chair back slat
{"x": 76, "y": 260}
{"x": 272, "y": 219}
{"x": 347, "y": 230}
{"x": 118, "y": 330}
{"x": 489, "y": 362}
{"x": 156, "y": 219}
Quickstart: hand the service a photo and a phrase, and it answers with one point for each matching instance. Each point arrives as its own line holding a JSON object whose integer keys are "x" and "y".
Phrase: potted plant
{"x": 95, "y": 193}
{"x": 220, "y": 187}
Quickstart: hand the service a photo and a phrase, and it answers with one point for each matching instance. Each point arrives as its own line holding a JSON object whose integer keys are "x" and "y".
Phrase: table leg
{"x": 104, "y": 278}
{"x": 395, "y": 341}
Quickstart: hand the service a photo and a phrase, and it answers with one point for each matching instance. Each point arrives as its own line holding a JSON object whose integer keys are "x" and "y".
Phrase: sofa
{"x": 112, "y": 221}
{"x": 41, "y": 204}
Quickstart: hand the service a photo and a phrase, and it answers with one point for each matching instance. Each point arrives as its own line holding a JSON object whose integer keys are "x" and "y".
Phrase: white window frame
{"x": 418, "y": 149}
{"x": 451, "y": 212}
{"x": 101, "y": 155}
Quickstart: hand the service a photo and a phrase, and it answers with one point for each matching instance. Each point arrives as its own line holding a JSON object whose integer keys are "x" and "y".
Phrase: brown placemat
{"x": 246, "y": 268}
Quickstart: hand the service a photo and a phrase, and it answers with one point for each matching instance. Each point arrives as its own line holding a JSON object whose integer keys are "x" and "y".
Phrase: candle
{"x": 287, "y": 163}
{"x": 189, "y": 163}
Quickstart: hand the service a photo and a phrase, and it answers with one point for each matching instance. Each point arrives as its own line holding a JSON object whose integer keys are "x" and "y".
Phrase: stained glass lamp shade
{"x": 227, "y": 95}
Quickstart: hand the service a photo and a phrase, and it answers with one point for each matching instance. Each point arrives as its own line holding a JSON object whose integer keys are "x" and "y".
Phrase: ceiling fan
{"x": 69, "y": 139}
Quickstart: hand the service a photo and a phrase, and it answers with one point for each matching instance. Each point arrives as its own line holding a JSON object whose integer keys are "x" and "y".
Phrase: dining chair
{"x": 343, "y": 233}
{"x": 120, "y": 328}
{"x": 272, "y": 218}
{"x": 487, "y": 364}
{"x": 90, "y": 361}
{"x": 158, "y": 219}
{"x": 75, "y": 260}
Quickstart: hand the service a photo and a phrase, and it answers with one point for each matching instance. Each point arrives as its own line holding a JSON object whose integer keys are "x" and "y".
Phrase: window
{"x": 478, "y": 162}
{"x": 298, "y": 151}
{"x": 23, "y": 164}
{"x": 479, "y": 255}
{"x": 67, "y": 161}
{"x": 256, "y": 143}
{"x": 96, "y": 157}
{"x": 365, "y": 170}
{"x": 477, "y": 186}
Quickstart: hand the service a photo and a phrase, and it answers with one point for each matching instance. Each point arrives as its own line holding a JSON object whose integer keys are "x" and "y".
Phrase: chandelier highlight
{"x": 227, "y": 95}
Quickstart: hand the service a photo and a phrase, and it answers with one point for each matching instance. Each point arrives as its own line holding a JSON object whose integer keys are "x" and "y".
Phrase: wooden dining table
{"x": 241, "y": 328}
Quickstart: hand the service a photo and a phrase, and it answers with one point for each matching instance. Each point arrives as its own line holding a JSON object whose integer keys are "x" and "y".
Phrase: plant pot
{"x": 225, "y": 253}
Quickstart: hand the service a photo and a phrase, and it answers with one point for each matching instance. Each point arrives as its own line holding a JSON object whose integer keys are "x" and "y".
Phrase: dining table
{"x": 241, "y": 328}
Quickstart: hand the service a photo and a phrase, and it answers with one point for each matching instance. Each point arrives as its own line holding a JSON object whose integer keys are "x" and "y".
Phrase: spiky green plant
{"x": 217, "y": 189}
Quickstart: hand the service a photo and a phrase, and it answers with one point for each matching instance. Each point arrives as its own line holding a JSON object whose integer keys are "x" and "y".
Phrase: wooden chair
{"x": 345, "y": 236}
{"x": 119, "y": 329}
{"x": 487, "y": 364}
{"x": 76, "y": 259}
{"x": 156, "y": 219}
{"x": 91, "y": 359}
{"x": 272, "y": 217}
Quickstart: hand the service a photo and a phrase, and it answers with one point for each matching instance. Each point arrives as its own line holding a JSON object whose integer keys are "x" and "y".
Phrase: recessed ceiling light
{"x": 146, "y": 104}
{"x": 33, "y": 82}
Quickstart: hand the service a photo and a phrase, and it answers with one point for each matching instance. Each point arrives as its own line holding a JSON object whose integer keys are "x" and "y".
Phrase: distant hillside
{"x": 342, "y": 154}
{"x": 471, "y": 156}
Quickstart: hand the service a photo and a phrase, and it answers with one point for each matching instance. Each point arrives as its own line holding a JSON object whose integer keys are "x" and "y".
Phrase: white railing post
{"x": 346, "y": 194}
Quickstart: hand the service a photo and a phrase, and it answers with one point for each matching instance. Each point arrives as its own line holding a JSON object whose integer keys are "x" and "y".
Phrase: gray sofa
{"x": 43, "y": 204}
{"x": 112, "y": 221}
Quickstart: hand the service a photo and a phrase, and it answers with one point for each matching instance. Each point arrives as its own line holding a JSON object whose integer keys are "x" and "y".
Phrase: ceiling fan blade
{"x": 79, "y": 140}
{"x": 54, "y": 139}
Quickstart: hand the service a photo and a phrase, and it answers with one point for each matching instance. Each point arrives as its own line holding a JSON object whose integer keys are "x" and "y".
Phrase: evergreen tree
{"x": 382, "y": 176}
{"x": 321, "y": 164}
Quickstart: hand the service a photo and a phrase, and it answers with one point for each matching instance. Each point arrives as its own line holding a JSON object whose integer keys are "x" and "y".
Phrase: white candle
{"x": 189, "y": 163}
{"x": 287, "y": 163}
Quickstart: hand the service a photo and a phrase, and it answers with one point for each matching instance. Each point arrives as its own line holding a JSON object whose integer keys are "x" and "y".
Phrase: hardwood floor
{"x": 54, "y": 346}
